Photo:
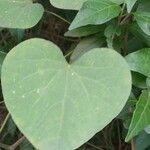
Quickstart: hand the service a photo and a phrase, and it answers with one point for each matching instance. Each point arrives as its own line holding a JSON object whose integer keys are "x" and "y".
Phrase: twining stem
{"x": 4, "y": 123}
{"x": 4, "y": 146}
{"x": 122, "y": 11}
{"x": 1, "y": 102}
{"x": 125, "y": 18}
{"x": 94, "y": 146}
{"x": 63, "y": 19}
{"x": 14, "y": 146}
{"x": 132, "y": 144}
{"x": 69, "y": 53}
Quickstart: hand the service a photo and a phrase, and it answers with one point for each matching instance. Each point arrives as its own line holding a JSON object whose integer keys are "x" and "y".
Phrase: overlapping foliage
{"x": 58, "y": 101}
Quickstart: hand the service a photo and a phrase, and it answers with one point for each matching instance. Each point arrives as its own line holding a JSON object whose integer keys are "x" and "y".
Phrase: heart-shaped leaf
{"x": 19, "y": 13}
{"x": 59, "y": 105}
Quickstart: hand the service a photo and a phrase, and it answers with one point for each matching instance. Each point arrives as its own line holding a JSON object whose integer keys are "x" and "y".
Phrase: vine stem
{"x": 49, "y": 12}
{"x": 1, "y": 102}
{"x": 122, "y": 11}
{"x": 68, "y": 54}
{"x": 125, "y": 18}
{"x": 4, "y": 123}
{"x": 13, "y": 146}
{"x": 132, "y": 144}
{"x": 94, "y": 146}
{"x": 4, "y": 146}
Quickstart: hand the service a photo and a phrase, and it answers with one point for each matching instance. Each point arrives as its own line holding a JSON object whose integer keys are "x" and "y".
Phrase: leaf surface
{"x": 19, "y": 13}
{"x": 140, "y": 118}
{"x": 130, "y": 4}
{"x": 95, "y": 12}
{"x": 139, "y": 61}
{"x": 74, "y": 4}
{"x": 59, "y": 105}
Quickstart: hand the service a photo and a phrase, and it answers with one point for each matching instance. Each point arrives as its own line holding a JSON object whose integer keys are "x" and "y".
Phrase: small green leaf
{"x": 142, "y": 16}
{"x": 130, "y": 4}
{"x": 139, "y": 80}
{"x": 86, "y": 45}
{"x": 19, "y": 13}
{"x": 138, "y": 33}
{"x": 60, "y": 106}
{"x": 147, "y": 129}
{"x": 142, "y": 141}
{"x": 85, "y": 31}
{"x": 2, "y": 57}
{"x": 140, "y": 118}
{"x": 74, "y": 4}
{"x": 117, "y": 1}
{"x": 68, "y": 4}
{"x": 95, "y": 12}
{"x": 143, "y": 20}
{"x": 139, "y": 61}
{"x": 110, "y": 32}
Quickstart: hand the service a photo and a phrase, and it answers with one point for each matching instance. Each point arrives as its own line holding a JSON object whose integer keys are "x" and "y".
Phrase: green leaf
{"x": 68, "y": 4}
{"x": 86, "y": 45}
{"x": 117, "y": 1}
{"x": 2, "y": 57}
{"x": 130, "y": 4}
{"x": 74, "y": 4}
{"x": 25, "y": 145}
{"x": 85, "y": 31}
{"x": 140, "y": 118}
{"x": 59, "y": 105}
{"x": 95, "y": 12}
{"x": 147, "y": 129}
{"x": 139, "y": 80}
{"x": 138, "y": 33}
{"x": 19, "y": 13}
{"x": 144, "y": 6}
{"x": 139, "y": 61}
{"x": 110, "y": 32}
{"x": 18, "y": 34}
{"x": 142, "y": 16}
{"x": 143, "y": 20}
{"x": 142, "y": 141}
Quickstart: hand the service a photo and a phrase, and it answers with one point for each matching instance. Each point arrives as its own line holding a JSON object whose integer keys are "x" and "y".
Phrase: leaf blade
{"x": 95, "y": 12}
{"x": 140, "y": 116}
{"x": 20, "y": 14}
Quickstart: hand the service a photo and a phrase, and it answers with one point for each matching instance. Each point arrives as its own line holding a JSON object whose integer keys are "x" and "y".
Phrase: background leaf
{"x": 147, "y": 129}
{"x": 86, "y": 45}
{"x": 130, "y": 4}
{"x": 142, "y": 141}
{"x": 85, "y": 31}
{"x": 19, "y": 13}
{"x": 139, "y": 61}
{"x": 2, "y": 57}
{"x": 74, "y": 4}
{"x": 140, "y": 118}
{"x": 142, "y": 16}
